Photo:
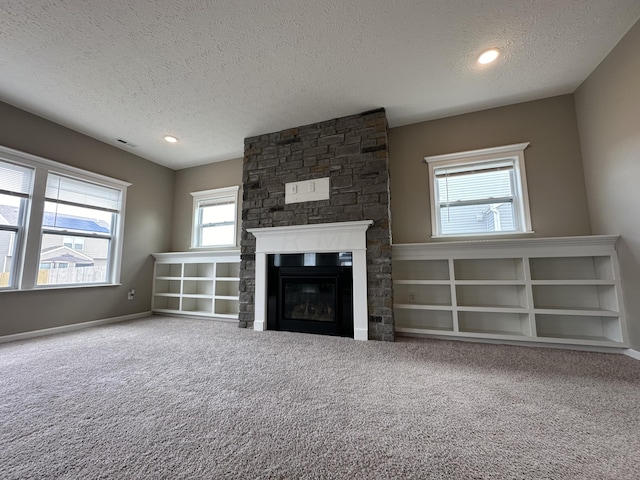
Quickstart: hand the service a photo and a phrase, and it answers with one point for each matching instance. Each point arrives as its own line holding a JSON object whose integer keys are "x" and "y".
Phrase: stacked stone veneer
{"x": 353, "y": 152}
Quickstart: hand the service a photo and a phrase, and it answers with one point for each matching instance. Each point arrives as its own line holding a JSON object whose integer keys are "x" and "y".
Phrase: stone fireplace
{"x": 349, "y": 155}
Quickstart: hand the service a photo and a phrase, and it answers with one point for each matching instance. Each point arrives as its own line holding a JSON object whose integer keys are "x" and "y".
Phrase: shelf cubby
{"x": 572, "y": 268}
{"x": 197, "y": 287}
{"x": 422, "y": 269}
{"x": 441, "y": 320}
{"x": 226, "y": 307}
{"x": 161, "y": 302}
{"x": 168, "y": 286}
{"x": 491, "y": 296}
{"x": 418, "y": 294}
{"x": 198, "y": 270}
{"x": 576, "y": 327}
{"x": 197, "y": 305}
{"x": 228, "y": 270}
{"x": 489, "y": 269}
{"x": 575, "y": 297}
{"x": 227, "y": 288}
{"x": 516, "y": 324}
{"x": 169, "y": 270}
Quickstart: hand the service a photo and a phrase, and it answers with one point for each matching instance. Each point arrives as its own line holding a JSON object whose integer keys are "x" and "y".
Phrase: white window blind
{"x": 71, "y": 191}
{"x": 15, "y": 179}
{"x": 476, "y": 182}
{"x": 478, "y": 199}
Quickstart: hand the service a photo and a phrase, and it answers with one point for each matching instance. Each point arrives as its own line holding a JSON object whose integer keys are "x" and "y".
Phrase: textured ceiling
{"x": 215, "y": 72}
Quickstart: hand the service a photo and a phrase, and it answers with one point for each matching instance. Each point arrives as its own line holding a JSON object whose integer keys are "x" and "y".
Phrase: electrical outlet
{"x": 131, "y": 293}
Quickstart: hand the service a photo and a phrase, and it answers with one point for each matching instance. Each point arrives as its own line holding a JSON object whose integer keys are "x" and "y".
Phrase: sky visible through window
{"x": 218, "y": 225}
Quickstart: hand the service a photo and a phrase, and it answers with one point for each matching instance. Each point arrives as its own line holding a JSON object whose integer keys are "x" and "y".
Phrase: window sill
{"x": 214, "y": 249}
{"x": 486, "y": 236}
{"x": 59, "y": 287}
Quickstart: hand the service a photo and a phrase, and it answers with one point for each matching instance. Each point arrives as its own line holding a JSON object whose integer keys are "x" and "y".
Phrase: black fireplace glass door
{"x": 310, "y": 293}
{"x": 309, "y": 299}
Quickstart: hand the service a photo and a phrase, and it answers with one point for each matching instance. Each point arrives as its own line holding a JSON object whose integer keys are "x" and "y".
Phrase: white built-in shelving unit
{"x": 197, "y": 283}
{"x": 556, "y": 290}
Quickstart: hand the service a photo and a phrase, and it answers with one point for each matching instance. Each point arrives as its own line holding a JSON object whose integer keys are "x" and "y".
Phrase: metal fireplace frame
{"x": 336, "y": 276}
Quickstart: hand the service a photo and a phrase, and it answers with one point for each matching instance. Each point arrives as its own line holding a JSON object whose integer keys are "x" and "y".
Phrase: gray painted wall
{"x": 147, "y": 226}
{"x": 195, "y": 179}
{"x": 553, "y": 162}
{"x": 608, "y": 111}
{"x": 558, "y": 201}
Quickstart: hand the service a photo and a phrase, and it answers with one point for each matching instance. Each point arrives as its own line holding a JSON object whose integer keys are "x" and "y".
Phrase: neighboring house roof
{"x": 9, "y": 214}
{"x": 67, "y": 222}
{"x": 64, "y": 254}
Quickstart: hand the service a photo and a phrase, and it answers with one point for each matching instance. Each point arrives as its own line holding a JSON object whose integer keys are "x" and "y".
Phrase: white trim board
{"x": 480, "y": 154}
{"x": 518, "y": 343}
{"x": 632, "y": 353}
{"x": 559, "y": 346}
{"x": 70, "y": 328}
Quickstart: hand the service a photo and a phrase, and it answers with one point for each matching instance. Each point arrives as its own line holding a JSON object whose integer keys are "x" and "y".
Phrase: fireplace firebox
{"x": 310, "y": 293}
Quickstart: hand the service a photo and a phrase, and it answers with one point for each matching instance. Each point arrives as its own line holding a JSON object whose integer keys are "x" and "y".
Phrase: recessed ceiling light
{"x": 170, "y": 139}
{"x": 488, "y": 56}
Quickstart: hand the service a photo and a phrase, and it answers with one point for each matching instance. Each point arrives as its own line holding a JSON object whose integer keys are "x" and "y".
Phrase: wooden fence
{"x": 61, "y": 276}
{"x": 71, "y": 275}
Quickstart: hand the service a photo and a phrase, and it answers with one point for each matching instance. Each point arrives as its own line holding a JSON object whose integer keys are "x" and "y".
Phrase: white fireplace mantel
{"x": 315, "y": 238}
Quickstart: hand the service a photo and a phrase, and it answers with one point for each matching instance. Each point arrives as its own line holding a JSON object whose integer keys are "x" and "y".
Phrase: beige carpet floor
{"x": 174, "y": 398}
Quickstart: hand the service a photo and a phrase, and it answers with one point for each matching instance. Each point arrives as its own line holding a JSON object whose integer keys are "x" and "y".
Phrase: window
{"x": 480, "y": 192}
{"x": 214, "y": 218}
{"x": 59, "y": 226}
{"x": 88, "y": 211}
{"x": 15, "y": 190}
{"x": 76, "y": 243}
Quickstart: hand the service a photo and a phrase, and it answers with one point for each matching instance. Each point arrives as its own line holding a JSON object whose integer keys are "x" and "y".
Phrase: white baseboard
{"x": 518, "y": 343}
{"x": 632, "y": 353}
{"x": 72, "y": 327}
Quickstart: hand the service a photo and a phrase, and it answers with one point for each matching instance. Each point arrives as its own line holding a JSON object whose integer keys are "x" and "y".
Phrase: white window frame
{"x": 513, "y": 153}
{"x": 28, "y": 261}
{"x": 17, "y": 241}
{"x": 212, "y": 196}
